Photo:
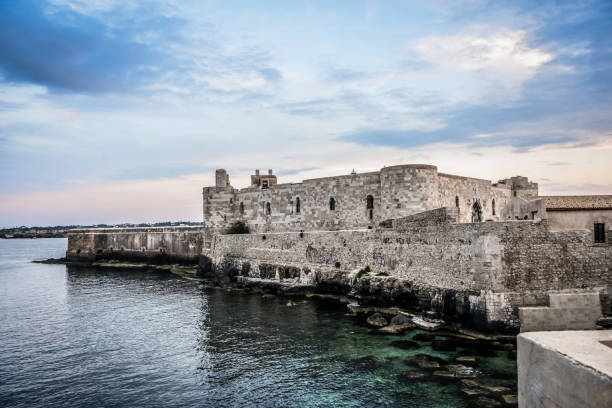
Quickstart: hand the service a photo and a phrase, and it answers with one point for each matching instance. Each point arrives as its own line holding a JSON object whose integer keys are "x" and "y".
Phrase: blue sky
{"x": 115, "y": 111}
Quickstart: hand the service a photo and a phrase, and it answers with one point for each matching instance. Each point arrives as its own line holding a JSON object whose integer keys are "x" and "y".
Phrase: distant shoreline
{"x": 26, "y": 235}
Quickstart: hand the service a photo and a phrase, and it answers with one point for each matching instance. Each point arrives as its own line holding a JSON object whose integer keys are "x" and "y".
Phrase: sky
{"x": 120, "y": 111}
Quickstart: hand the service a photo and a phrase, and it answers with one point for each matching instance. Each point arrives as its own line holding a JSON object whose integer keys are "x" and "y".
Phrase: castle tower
{"x": 221, "y": 178}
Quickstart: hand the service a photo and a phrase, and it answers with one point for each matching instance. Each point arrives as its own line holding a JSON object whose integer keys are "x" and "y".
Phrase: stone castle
{"x": 464, "y": 248}
{"x": 357, "y": 200}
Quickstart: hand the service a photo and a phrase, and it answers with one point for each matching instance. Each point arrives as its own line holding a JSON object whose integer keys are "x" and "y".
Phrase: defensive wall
{"x": 359, "y": 199}
{"x": 481, "y": 272}
{"x": 153, "y": 244}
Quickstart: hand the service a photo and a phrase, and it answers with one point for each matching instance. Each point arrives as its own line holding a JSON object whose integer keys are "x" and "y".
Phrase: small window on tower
{"x": 268, "y": 209}
{"x": 332, "y": 204}
{"x": 493, "y": 206}
{"x": 600, "y": 233}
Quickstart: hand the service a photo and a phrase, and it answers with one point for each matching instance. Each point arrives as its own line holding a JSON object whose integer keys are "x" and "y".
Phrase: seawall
{"x": 152, "y": 244}
{"x": 478, "y": 272}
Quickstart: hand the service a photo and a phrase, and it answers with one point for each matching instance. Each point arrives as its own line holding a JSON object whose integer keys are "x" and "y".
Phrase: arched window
{"x": 297, "y": 205}
{"x": 457, "y": 201}
{"x": 241, "y": 208}
{"x": 476, "y": 212}
{"x": 268, "y": 209}
{"x": 493, "y": 206}
{"x": 332, "y": 204}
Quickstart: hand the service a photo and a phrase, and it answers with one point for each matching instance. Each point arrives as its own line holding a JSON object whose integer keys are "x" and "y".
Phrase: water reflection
{"x": 93, "y": 337}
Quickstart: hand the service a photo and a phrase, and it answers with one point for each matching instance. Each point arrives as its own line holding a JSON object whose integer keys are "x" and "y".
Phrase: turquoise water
{"x": 91, "y": 337}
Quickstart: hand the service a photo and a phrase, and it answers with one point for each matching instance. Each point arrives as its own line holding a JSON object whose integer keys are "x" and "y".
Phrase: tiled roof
{"x": 589, "y": 202}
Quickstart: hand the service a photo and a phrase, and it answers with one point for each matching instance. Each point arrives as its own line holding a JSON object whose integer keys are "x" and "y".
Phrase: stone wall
{"x": 155, "y": 244}
{"x": 396, "y": 191}
{"x": 560, "y": 220}
{"x": 482, "y": 271}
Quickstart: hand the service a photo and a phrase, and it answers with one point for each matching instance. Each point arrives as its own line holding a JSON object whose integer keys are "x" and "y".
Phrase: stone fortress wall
{"x": 153, "y": 244}
{"x": 481, "y": 272}
{"x": 359, "y": 200}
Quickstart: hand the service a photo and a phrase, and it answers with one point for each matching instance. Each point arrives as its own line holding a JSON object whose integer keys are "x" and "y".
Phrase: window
{"x": 297, "y": 205}
{"x": 457, "y": 201}
{"x": 370, "y": 206}
{"x": 332, "y": 204}
{"x": 241, "y": 208}
{"x": 476, "y": 212}
{"x": 268, "y": 209}
{"x": 493, "y": 206}
{"x": 600, "y": 233}
{"x": 264, "y": 184}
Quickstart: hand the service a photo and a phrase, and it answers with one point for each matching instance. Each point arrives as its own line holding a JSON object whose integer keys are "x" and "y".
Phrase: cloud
{"x": 504, "y": 57}
{"x": 69, "y": 52}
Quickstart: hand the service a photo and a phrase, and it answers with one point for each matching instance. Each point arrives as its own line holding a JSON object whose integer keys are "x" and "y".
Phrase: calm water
{"x": 90, "y": 337}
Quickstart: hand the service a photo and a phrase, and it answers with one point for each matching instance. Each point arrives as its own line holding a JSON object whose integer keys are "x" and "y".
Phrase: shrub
{"x": 363, "y": 271}
{"x": 238, "y": 227}
{"x": 382, "y": 274}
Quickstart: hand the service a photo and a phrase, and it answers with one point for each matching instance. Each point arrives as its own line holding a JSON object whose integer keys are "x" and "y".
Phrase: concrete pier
{"x": 569, "y": 369}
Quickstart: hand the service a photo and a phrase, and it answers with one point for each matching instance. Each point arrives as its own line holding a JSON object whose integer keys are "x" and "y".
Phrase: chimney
{"x": 269, "y": 172}
{"x": 257, "y": 172}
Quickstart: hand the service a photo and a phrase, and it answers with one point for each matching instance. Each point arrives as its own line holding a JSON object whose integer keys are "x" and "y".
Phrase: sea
{"x": 91, "y": 337}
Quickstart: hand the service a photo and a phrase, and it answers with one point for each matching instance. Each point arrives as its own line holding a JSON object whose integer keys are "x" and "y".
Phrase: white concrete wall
{"x": 569, "y": 369}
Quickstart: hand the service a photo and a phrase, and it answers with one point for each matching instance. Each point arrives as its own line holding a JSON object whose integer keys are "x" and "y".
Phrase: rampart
{"x": 481, "y": 272}
{"x": 477, "y": 272}
{"x": 154, "y": 244}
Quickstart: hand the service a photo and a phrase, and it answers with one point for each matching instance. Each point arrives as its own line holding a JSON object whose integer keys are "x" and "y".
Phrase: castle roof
{"x": 584, "y": 202}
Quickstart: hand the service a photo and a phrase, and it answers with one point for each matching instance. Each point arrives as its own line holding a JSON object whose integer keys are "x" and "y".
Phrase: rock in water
{"x": 401, "y": 319}
{"x": 377, "y": 320}
{"x": 485, "y": 402}
{"x": 465, "y": 359}
{"x": 413, "y": 375}
{"x": 404, "y": 344}
{"x": 510, "y": 399}
{"x": 443, "y": 345}
{"x": 424, "y": 337}
{"x": 291, "y": 303}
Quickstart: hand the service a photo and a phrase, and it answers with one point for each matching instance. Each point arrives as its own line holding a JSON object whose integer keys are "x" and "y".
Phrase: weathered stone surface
{"x": 395, "y": 328}
{"x": 466, "y": 359}
{"x": 401, "y": 319}
{"x": 424, "y": 361}
{"x": 376, "y": 320}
